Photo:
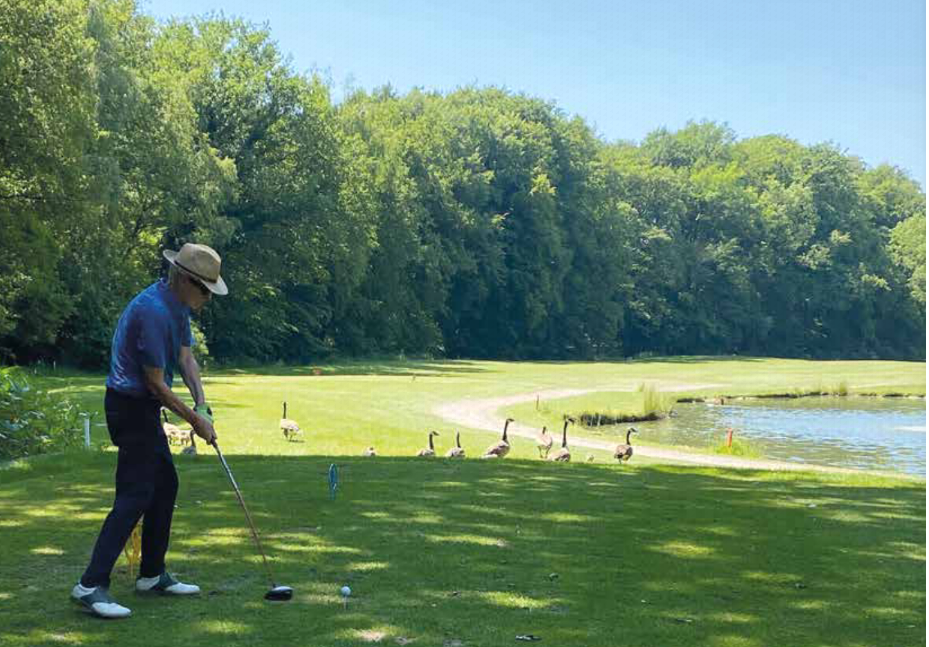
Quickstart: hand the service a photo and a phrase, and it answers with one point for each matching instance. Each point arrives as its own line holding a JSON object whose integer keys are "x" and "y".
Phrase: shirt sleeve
{"x": 152, "y": 341}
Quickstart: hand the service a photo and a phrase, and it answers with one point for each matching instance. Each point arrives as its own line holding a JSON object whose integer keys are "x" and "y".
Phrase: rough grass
{"x": 478, "y": 552}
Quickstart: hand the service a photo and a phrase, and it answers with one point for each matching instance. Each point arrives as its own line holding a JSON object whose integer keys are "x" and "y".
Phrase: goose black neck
{"x": 629, "y": 437}
{"x": 458, "y": 440}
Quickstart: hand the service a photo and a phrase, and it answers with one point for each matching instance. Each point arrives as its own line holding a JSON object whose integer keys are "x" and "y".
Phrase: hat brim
{"x": 217, "y": 287}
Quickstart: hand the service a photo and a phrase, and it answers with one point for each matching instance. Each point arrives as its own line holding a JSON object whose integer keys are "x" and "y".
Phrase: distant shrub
{"x": 33, "y": 421}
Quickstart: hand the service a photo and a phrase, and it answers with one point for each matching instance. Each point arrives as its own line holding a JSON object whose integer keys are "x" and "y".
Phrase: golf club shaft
{"x": 251, "y": 524}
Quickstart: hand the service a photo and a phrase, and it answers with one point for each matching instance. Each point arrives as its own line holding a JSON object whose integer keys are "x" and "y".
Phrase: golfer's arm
{"x": 155, "y": 381}
{"x": 190, "y": 372}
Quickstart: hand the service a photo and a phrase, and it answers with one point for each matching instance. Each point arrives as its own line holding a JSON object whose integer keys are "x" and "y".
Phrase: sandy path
{"x": 482, "y": 414}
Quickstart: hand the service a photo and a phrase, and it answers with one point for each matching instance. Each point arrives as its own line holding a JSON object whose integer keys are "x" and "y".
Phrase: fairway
{"x": 392, "y": 405}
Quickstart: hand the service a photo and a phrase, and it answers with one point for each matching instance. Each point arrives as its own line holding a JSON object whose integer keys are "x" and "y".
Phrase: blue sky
{"x": 849, "y": 72}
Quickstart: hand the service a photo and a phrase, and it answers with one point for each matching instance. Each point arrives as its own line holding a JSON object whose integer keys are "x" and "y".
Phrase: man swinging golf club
{"x": 152, "y": 339}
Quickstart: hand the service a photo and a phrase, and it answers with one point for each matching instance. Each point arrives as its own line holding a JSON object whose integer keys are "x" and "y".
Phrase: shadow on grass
{"x": 478, "y": 552}
{"x": 696, "y": 359}
{"x": 392, "y": 368}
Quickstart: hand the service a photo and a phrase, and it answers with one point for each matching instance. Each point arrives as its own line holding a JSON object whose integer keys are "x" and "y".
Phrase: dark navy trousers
{"x": 146, "y": 487}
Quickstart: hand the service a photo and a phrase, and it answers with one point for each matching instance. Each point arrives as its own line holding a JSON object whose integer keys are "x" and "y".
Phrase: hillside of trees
{"x": 479, "y": 223}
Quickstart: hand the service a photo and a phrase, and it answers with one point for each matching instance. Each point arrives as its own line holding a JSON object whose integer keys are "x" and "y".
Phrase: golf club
{"x": 277, "y": 593}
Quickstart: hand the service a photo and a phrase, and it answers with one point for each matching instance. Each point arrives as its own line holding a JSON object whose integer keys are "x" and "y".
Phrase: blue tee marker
{"x": 333, "y": 480}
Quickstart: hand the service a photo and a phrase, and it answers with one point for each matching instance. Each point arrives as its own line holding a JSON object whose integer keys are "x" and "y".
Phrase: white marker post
{"x": 86, "y": 418}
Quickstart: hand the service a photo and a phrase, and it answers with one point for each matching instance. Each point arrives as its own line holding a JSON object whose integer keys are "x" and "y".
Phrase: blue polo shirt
{"x": 150, "y": 332}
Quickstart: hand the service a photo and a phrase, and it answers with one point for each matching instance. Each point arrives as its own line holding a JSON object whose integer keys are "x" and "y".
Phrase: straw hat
{"x": 200, "y": 262}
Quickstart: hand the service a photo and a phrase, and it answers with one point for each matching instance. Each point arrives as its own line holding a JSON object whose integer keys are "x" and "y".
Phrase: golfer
{"x": 151, "y": 341}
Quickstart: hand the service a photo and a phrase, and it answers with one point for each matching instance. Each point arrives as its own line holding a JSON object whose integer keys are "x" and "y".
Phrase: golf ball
{"x": 346, "y": 591}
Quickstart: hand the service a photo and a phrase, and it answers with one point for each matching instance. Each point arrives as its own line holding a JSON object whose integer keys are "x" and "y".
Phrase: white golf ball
{"x": 346, "y": 591}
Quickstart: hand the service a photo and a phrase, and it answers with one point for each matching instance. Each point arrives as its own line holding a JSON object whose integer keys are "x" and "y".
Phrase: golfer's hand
{"x": 204, "y": 429}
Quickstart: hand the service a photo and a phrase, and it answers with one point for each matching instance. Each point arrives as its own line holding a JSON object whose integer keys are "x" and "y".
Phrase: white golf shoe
{"x": 165, "y": 584}
{"x": 97, "y": 600}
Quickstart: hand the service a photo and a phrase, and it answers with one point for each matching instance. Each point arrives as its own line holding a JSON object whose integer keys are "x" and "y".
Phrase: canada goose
{"x": 175, "y": 434}
{"x": 457, "y": 451}
{"x": 369, "y": 452}
{"x": 624, "y": 452}
{"x": 290, "y": 428}
{"x": 563, "y": 455}
{"x": 591, "y": 458}
{"x": 544, "y": 441}
{"x": 500, "y": 448}
{"x": 192, "y": 449}
{"x": 430, "y": 450}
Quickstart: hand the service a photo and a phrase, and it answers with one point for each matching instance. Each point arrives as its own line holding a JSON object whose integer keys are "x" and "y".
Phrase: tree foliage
{"x": 479, "y": 223}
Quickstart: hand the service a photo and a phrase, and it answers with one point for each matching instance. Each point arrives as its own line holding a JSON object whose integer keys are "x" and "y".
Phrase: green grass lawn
{"x": 475, "y": 552}
{"x": 390, "y": 404}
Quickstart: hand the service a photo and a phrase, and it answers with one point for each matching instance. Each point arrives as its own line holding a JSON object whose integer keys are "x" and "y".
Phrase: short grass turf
{"x": 347, "y": 406}
{"x": 479, "y": 552}
{"x": 476, "y": 552}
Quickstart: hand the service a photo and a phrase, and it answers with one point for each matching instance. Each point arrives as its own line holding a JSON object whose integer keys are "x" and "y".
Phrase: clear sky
{"x": 852, "y": 72}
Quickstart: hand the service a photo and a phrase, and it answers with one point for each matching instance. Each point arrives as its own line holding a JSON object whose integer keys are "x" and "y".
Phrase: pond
{"x": 887, "y": 434}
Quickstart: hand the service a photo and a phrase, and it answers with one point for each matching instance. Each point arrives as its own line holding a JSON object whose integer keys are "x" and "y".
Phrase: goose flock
{"x": 544, "y": 442}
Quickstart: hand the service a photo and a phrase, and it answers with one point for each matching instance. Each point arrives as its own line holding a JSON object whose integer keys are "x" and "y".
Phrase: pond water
{"x": 887, "y": 434}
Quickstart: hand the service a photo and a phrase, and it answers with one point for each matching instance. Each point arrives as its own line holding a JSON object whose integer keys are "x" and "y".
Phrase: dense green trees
{"x": 478, "y": 223}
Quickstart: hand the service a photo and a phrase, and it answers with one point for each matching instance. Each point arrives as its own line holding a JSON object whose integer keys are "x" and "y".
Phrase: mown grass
{"x": 476, "y": 552}
{"x": 479, "y": 552}
{"x": 389, "y": 404}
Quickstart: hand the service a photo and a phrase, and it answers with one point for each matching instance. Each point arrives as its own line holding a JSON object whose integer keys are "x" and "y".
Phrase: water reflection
{"x": 861, "y": 433}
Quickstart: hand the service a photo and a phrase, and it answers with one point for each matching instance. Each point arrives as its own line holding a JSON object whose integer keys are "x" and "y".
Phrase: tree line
{"x": 477, "y": 223}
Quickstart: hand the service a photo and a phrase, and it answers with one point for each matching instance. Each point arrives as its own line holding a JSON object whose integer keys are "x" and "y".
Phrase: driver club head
{"x": 279, "y": 593}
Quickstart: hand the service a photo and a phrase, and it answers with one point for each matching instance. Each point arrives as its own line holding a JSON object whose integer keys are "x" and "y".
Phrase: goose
{"x": 563, "y": 455}
{"x": 369, "y": 452}
{"x": 544, "y": 442}
{"x": 430, "y": 450}
{"x": 192, "y": 449}
{"x": 289, "y": 427}
{"x": 174, "y": 433}
{"x": 500, "y": 448}
{"x": 624, "y": 452}
{"x": 457, "y": 451}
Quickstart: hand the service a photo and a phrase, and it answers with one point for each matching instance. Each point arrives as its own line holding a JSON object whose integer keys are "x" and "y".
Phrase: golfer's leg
{"x": 156, "y": 532}
{"x": 134, "y": 492}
